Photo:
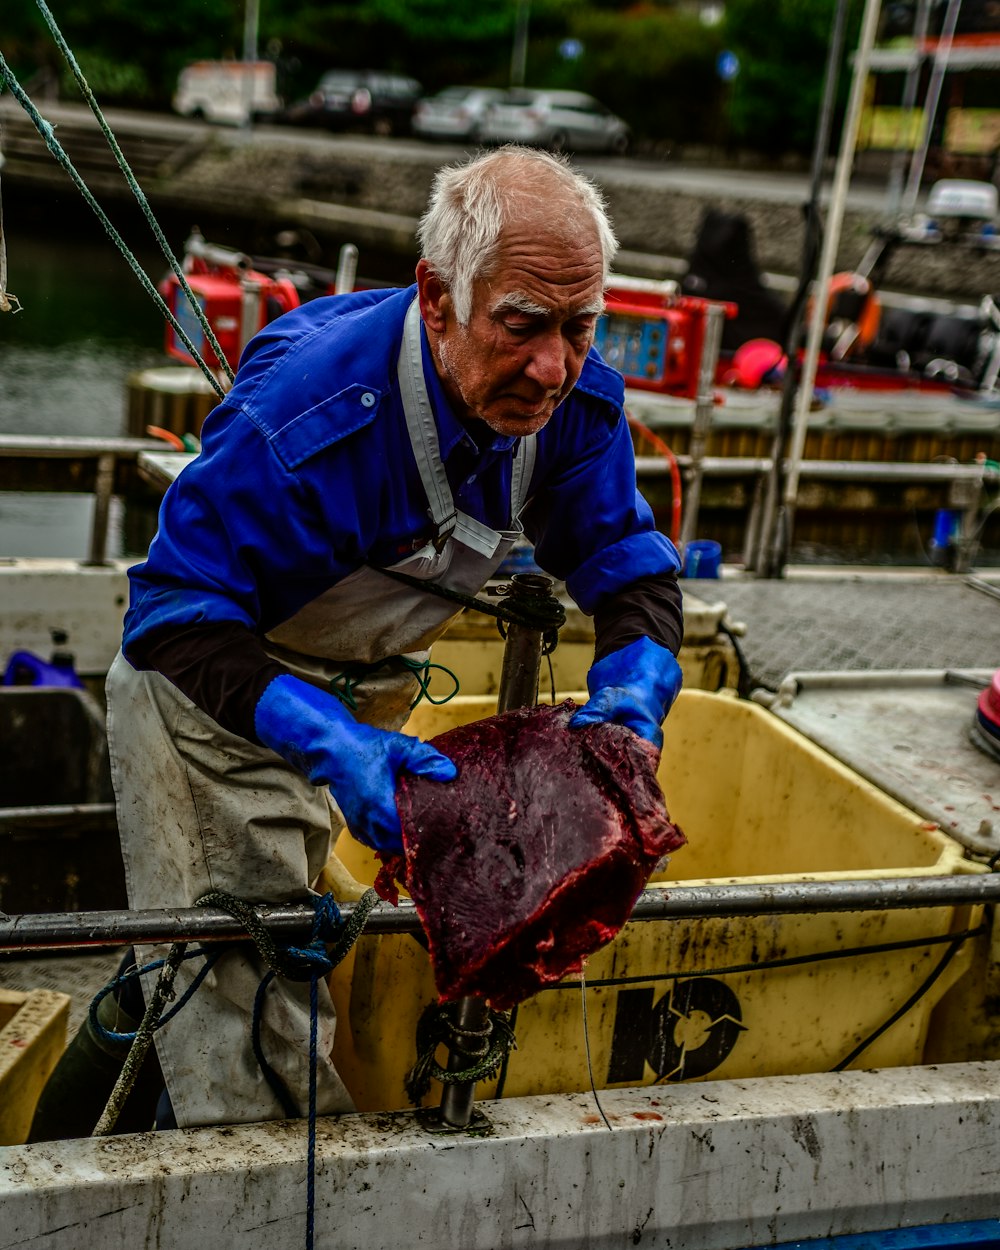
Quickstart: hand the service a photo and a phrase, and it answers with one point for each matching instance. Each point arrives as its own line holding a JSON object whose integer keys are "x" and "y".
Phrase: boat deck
{"x": 821, "y": 620}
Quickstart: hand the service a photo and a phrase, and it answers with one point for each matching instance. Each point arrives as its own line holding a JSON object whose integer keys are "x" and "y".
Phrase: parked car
{"x": 559, "y": 120}
{"x": 359, "y": 99}
{"x": 229, "y": 92}
{"x": 454, "y": 113}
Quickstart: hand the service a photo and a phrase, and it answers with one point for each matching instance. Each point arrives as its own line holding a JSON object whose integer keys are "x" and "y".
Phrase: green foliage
{"x": 444, "y": 19}
{"x": 109, "y": 79}
{"x": 652, "y": 62}
{"x": 135, "y": 50}
{"x": 653, "y": 66}
{"x": 782, "y": 47}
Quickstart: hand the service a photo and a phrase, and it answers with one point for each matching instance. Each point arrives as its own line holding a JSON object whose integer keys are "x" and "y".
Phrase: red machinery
{"x": 236, "y": 299}
{"x": 653, "y": 336}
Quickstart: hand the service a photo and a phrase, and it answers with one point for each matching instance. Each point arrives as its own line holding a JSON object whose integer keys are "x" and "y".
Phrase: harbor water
{"x": 85, "y": 324}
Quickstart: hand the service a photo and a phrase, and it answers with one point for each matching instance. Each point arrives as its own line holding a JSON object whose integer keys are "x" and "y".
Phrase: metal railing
{"x": 80, "y": 930}
{"x": 103, "y": 457}
{"x": 965, "y": 482}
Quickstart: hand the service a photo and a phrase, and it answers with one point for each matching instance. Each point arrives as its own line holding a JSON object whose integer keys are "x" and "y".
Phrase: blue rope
{"x": 298, "y": 963}
{"x": 311, "y": 1140}
{"x": 110, "y": 1035}
{"x": 278, "y": 1086}
{"x": 303, "y": 963}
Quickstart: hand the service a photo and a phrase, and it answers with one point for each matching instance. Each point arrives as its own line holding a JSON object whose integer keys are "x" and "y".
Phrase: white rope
{"x": 9, "y": 303}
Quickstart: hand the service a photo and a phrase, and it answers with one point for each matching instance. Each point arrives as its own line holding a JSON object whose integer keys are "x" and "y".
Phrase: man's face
{"x": 529, "y": 331}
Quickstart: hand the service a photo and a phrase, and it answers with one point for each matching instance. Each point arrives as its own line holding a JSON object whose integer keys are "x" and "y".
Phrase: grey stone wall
{"x": 658, "y": 220}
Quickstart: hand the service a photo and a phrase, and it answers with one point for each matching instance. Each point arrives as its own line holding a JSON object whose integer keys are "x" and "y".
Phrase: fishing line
{"x": 586, "y": 1043}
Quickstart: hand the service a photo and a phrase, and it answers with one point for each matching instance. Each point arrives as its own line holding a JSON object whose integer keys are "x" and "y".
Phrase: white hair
{"x": 471, "y": 203}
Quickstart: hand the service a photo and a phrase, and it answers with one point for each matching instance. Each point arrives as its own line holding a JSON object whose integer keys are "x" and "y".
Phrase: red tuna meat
{"x": 533, "y": 858}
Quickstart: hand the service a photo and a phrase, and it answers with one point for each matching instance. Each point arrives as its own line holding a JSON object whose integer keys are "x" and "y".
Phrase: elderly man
{"x": 268, "y": 663}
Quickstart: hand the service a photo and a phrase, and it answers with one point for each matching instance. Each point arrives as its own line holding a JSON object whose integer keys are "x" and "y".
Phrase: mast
{"x": 828, "y": 256}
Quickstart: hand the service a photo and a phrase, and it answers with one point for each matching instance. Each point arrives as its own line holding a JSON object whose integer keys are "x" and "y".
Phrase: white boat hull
{"x": 714, "y": 1166}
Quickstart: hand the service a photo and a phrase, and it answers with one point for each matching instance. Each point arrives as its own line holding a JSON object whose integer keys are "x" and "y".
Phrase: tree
{"x": 654, "y": 66}
{"x": 782, "y": 46}
{"x": 130, "y": 53}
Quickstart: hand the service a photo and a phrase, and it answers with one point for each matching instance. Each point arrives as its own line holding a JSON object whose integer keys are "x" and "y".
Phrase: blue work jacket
{"x": 306, "y": 473}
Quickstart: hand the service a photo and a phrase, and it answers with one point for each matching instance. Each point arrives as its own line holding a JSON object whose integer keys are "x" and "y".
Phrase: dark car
{"x": 371, "y": 100}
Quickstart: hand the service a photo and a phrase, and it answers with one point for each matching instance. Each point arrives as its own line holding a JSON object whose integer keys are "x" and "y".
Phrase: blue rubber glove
{"x": 634, "y": 687}
{"x": 316, "y": 734}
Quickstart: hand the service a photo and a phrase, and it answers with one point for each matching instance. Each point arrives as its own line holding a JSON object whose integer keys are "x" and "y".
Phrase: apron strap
{"x": 422, "y": 429}
{"x": 520, "y": 478}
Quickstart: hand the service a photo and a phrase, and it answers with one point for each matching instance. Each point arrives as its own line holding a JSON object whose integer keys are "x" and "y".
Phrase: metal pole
{"x": 930, "y": 107}
{"x": 967, "y": 498}
{"x": 895, "y": 188}
{"x": 250, "y": 22}
{"x": 522, "y": 659}
{"x": 347, "y": 269}
{"x": 763, "y": 544}
{"x": 831, "y": 241}
{"x": 704, "y": 410}
{"x": 519, "y": 52}
{"x": 97, "y": 929}
{"x": 104, "y": 486}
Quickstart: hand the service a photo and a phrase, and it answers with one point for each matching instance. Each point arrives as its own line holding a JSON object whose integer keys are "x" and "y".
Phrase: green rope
{"x": 44, "y": 128}
{"x": 136, "y": 190}
{"x": 488, "y": 1047}
{"x": 277, "y": 958}
{"x": 344, "y": 683}
{"x": 281, "y": 961}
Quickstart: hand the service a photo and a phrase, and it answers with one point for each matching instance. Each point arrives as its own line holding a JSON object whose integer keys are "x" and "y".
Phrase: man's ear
{"x": 435, "y": 302}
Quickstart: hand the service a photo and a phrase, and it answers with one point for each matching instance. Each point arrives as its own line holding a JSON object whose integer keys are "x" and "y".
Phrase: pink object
{"x": 989, "y": 702}
{"x": 753, "y": 360}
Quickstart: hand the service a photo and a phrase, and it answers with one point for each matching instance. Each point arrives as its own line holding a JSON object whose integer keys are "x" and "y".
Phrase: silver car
{"x": 454, "y": 113}
{"x": 563, "y": 121}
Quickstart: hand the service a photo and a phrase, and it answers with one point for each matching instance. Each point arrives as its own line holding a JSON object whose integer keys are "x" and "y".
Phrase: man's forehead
{"x": 520, "y": 301}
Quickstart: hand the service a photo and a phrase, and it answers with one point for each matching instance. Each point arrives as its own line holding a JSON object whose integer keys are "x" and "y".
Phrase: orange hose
{"x": 675, "y": 474}
{"x": 168, "y": 436}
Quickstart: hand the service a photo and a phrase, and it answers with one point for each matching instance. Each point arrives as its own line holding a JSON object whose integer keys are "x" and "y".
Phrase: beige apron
{"x": 200, "y": 808}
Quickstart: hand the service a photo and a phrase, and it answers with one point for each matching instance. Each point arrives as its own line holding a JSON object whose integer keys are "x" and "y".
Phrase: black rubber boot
{"x": 81, "y": 1082}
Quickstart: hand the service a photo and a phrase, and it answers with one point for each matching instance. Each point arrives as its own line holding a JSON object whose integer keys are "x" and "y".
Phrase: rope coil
{"x": 488, "y": 1047}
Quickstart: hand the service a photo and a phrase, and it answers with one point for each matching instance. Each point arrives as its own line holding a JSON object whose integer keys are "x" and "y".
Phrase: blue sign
{"x": 571, "y": 49}
{"x": 727, "y": 66}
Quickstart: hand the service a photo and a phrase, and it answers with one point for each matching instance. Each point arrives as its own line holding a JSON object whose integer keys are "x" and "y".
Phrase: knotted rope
{"x": 487, "y": 1047}
{"x": 330, "y": 940}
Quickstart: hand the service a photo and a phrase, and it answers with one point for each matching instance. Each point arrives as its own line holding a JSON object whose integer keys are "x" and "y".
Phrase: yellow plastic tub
{"x": 32, "y": 1037}
{"x": 713, "y": 998}
{"x": 473, "y": 650}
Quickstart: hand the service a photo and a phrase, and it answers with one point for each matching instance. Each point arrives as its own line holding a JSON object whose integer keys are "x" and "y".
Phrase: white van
{"x": 232, "y": 92}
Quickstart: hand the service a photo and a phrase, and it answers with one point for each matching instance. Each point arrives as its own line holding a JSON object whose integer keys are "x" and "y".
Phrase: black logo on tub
{"x": 688, "y": 1033}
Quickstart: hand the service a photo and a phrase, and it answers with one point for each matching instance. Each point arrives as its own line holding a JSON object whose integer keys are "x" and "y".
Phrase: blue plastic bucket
{"x": 702, "y": 558}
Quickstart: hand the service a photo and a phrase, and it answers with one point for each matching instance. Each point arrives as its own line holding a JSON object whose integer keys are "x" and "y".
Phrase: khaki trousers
{"x": 201, "y": 809}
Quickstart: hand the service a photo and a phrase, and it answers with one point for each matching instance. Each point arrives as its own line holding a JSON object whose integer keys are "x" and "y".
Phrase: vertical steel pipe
{"x": 522, "y": 660}
{"x": 104, "y": 486}
{"x": 704, "y": 410}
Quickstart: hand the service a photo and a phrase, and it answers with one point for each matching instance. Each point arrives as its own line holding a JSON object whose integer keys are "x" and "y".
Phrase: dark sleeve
{"x": 648, "y": 608}
{"x": 220, "y": 666}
